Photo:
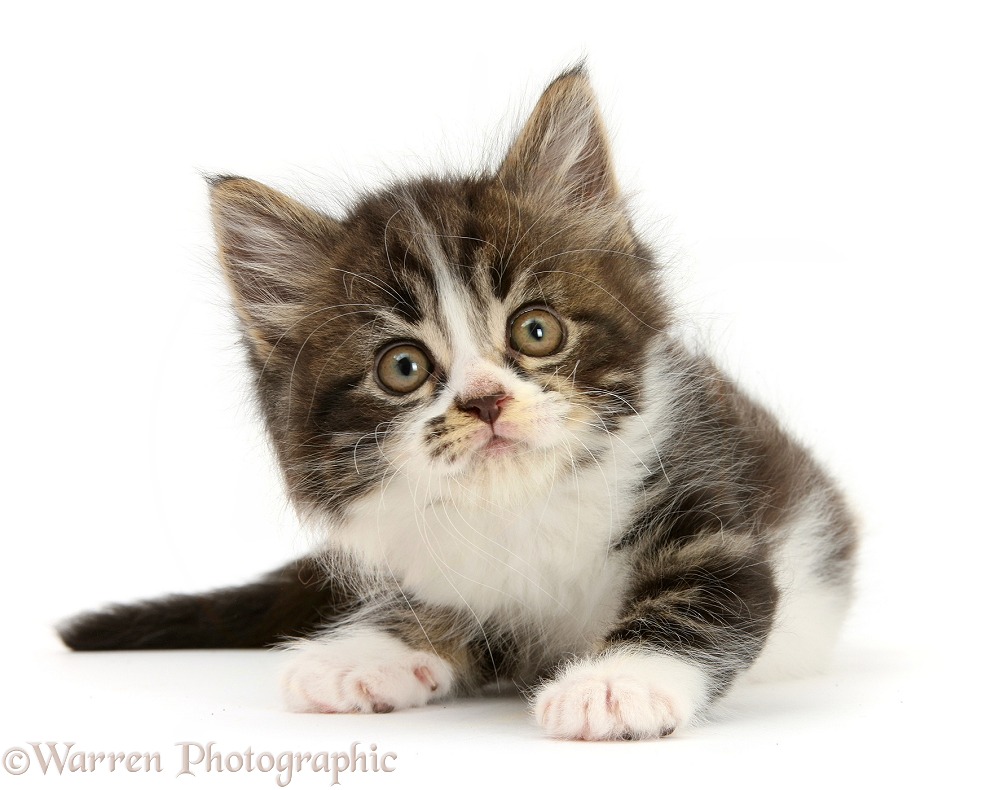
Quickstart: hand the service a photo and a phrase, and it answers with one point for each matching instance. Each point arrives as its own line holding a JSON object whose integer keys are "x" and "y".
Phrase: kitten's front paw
{"x": 620, "y": 696}
{"x": 369, "y": 673}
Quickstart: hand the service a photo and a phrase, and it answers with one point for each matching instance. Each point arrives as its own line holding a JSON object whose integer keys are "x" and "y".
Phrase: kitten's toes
{"x": 368, "y": 673}
{"x": 620, "y": 696}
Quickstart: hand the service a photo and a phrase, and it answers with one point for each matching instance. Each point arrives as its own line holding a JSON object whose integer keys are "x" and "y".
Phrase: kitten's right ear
{"x": 272, "y": 249}
{"x": 563, "y": 153}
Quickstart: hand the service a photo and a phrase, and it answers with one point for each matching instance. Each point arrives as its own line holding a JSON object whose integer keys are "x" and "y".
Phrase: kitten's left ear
{"x": 273, "y": 250}
{"x": 563, "y": 151}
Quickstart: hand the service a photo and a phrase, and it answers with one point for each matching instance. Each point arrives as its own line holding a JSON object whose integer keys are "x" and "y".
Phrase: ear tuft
{"x": 563, "y": 152}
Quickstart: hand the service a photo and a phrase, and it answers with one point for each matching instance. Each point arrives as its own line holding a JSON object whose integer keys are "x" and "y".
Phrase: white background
{"x": 822, "y": 182}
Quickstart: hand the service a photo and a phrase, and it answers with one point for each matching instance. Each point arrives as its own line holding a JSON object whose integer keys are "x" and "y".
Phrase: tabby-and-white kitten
{"x": 520, "y": 473}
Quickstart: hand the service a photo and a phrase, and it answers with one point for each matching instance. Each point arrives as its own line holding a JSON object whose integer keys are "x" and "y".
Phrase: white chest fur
{"x": 543, "y": 560}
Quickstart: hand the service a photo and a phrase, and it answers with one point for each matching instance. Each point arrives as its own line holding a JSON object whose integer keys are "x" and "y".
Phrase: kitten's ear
{"x": 272, "y": 249}
{"x": 564, "y": 151}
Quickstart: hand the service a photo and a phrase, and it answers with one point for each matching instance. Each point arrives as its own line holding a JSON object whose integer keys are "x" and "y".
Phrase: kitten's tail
{"x": 291, "y": 601}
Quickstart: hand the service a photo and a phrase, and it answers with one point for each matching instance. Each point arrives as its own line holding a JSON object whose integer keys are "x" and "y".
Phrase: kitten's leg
{"x": 695, "y": 616}
{"x": 396, "y": 659}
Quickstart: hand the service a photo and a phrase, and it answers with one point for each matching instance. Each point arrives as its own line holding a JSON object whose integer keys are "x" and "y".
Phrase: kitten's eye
{"x": 535, "y": 332}
{"x": 402, "y": 368}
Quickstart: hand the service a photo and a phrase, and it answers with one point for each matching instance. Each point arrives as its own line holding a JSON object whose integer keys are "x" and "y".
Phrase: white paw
{"x": 621, "y": 695}
{"x": 365, "y": 672}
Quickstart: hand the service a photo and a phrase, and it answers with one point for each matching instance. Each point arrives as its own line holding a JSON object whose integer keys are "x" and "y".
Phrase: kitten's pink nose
{"x": 486, "y": 407}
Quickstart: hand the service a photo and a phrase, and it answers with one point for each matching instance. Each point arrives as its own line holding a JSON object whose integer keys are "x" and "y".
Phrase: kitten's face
{"x": 474, "y": 336}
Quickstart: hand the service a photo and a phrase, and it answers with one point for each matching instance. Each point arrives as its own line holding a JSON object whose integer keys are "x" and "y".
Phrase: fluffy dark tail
{"x": 291, "y": 601}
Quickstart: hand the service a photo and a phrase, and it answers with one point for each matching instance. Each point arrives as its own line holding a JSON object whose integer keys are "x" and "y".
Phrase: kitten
{"x": 476, "y": 392}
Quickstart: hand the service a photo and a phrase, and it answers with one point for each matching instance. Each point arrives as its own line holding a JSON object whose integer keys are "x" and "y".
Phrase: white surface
{"x": 822, "y": 182}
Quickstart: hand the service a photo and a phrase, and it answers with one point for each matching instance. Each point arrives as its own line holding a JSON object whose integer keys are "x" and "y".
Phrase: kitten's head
{"x": 481, "y": 335}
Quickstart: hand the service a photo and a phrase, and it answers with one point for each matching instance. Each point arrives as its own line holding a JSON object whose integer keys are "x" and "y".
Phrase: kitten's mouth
{"x": 491, "y": 443}
{"x": 498, "y": 446}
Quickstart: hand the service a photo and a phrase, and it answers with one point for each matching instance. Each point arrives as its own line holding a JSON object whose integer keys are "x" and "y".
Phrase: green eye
{"x": 402, "y": 368}
{"x": 535, "y": 332}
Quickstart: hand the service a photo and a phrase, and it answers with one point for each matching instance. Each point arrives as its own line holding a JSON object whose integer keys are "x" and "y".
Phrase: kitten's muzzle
{"x": 486, "y": 408}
